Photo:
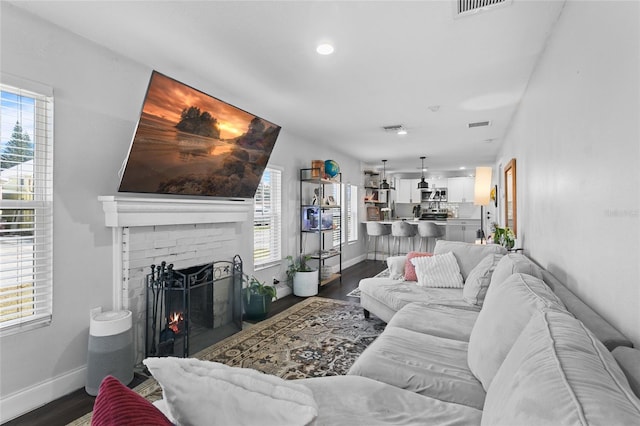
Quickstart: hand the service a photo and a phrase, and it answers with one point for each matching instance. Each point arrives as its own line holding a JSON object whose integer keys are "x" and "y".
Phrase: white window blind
{"x": 267, "y": 220}
{"x": 338, "y": 235}
{"x": 349, "y": 205}
{"x": 352, "y": 212}
{"x": 26, "y": 212}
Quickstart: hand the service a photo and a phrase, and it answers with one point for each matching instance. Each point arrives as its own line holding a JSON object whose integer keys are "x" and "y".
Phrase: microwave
{"x": 434, "y": 194}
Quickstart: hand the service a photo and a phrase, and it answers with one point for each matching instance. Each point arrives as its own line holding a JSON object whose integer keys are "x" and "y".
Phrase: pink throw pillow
{"x": 409, "y": 269}
{"x": 117, "y": 405}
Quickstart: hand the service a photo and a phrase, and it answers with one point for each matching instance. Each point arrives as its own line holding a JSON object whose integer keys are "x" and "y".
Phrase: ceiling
{"x": 411, "y": 63}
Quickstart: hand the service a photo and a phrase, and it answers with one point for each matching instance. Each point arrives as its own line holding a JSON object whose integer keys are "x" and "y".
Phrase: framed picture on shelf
{"x": 331, "y": 201}
{"x": 373, "y": 213}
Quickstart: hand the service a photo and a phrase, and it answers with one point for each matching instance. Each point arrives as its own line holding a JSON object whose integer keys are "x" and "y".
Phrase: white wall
{"x": 98, "y": 96}
{"x": 97, "y": 99}
{"x": 576, "y": 140}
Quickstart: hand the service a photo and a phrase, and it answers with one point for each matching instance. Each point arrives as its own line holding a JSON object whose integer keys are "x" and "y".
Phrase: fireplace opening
{"x": 192, "y": 308}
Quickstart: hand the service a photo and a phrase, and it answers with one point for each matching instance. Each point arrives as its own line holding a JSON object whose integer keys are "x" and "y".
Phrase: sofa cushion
{"x": 513, "y": 263}
{"x": 355, "y": 400}
{"x": 441, "y": 270}
{"x": 507, "y": 309}
{"x": 431, "y": 366}
{"x": 409, "y": 267}
{"x": 477, "y": 283}
{"x": 396, "y": 266}
{"x": 450, "y": 322}
{"x": 467, "y": 254}
{"x": 395, "y": 293}
{"x": 204, "y": 392}
{"x": 557, "y": 372}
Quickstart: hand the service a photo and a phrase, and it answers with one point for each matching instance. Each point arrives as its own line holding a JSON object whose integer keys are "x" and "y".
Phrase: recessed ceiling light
{"x": 402, "y": 131}
{"x": 324, "y": 49}
{"x": 462, "y": 167}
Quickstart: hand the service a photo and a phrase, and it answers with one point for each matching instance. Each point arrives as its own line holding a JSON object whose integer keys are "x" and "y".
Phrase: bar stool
{"x": 375, "y": 230}
{"x": 402, "y": 229}
{"x": 429, "y": 230}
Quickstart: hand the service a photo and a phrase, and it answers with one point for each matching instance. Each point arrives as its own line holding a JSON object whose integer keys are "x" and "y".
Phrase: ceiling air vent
{"x": 479, "y": 124}
{"x": 467, "y": 7}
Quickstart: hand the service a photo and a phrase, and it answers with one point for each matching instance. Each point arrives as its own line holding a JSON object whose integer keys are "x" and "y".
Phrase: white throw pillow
{"x": 477, "y": 283}
{"x": 438, "y": 271}
{"x": 557, "y": 372}
{"x": 203, "y": 392}
{"x": 507, "y": 308}
{"x": 396, "y": 266}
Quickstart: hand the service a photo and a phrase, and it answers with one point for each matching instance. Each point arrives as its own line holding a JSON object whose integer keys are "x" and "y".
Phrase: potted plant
{"x": 257, "y": 298}
{"x": 503, "y": 236}
{"x": 304, "y": 278}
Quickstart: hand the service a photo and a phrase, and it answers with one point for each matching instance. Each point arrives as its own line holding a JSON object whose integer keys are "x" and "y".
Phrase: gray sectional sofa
{"x": 529, "y": 352}
{"x": 513, "y": 346}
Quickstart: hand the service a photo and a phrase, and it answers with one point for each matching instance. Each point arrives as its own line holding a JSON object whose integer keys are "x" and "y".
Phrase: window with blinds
{"x": 267, "y": 219}
{"x": 338, "y": 235}
{"x": 348, "y": 230}
{"x": 26, "y": 198}
{"x": 352, "y": 212}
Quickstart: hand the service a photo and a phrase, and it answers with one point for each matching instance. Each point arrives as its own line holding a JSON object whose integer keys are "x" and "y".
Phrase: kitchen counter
{"x": 410, "y": 221}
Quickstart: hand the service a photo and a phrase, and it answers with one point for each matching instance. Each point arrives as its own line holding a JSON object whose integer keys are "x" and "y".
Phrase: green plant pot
{"x": 257, "y": 308}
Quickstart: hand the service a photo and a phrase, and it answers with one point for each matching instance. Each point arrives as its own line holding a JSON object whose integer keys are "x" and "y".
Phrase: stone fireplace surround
{"x": 185, "y": 232}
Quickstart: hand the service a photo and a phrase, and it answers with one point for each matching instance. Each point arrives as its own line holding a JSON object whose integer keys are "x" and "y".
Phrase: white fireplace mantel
{"x": 123, "y": 211}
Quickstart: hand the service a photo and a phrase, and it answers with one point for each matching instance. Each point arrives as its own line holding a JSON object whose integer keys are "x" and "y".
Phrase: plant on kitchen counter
{"x": 503, "y": 236}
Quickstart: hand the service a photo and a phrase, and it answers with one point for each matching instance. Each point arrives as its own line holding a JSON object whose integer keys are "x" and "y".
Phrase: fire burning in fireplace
{"x": 176, "y": 322}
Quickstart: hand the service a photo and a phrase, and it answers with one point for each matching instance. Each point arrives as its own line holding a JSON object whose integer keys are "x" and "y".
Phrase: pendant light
{"x": 384, "y": 184}
{"x": 423, "y": 183}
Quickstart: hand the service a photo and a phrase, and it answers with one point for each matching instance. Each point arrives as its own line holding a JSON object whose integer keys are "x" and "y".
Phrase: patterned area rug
{"x": 316, "y": 337}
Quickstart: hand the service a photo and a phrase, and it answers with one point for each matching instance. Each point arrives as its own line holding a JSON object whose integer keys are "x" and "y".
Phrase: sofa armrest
{"x": 629, "y": 362}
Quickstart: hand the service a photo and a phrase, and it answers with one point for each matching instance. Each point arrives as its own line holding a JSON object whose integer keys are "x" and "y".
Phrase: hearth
{"x": 192, "y": 308}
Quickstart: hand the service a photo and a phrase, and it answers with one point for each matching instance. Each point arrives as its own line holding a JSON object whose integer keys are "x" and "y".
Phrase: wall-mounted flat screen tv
{"x": 190, "y": 143}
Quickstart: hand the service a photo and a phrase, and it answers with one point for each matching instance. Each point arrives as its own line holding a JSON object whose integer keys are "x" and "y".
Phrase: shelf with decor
{"x": 376, "y": 200}
{"x": 320, "y": 219}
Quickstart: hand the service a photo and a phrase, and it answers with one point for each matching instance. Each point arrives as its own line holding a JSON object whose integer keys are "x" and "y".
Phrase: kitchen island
{"x": 457, "y": 229}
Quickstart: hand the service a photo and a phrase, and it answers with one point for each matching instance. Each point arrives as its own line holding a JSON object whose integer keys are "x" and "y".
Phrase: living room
{"x": 574, "y": 134}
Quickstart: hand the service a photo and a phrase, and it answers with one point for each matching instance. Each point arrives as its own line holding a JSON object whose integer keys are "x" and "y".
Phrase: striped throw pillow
{"x": 441, "y": 270}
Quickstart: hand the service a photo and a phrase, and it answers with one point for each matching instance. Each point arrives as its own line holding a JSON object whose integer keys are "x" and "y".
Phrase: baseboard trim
{"x": 36, "y": 396}
{"x": 353, "y": 261}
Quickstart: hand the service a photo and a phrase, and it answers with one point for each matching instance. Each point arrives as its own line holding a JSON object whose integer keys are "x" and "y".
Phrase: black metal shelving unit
{"x": 316, "y": 221}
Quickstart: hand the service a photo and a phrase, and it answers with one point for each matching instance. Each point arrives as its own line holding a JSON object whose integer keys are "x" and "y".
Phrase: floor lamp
{"x": 481, "y": 194}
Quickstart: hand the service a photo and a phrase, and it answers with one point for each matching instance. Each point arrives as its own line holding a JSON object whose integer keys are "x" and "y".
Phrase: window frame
{"x": 351, "y": 213}
{"x": 32, "y": 262}
{"x": 274, "y": 217}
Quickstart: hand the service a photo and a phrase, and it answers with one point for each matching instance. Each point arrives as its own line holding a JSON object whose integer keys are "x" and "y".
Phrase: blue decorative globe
{"x": 331, "y": 168}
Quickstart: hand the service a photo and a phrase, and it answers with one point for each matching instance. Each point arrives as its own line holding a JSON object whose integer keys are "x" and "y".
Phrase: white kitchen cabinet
{"x": 438, "y": 182}
{"x": 407, "y": 191}
{"x": 460, "y": 189}
{"x": 462, "y": 230}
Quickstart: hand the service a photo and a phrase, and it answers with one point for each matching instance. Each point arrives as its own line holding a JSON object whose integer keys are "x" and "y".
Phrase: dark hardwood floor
{"x": 76, "y": 404}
